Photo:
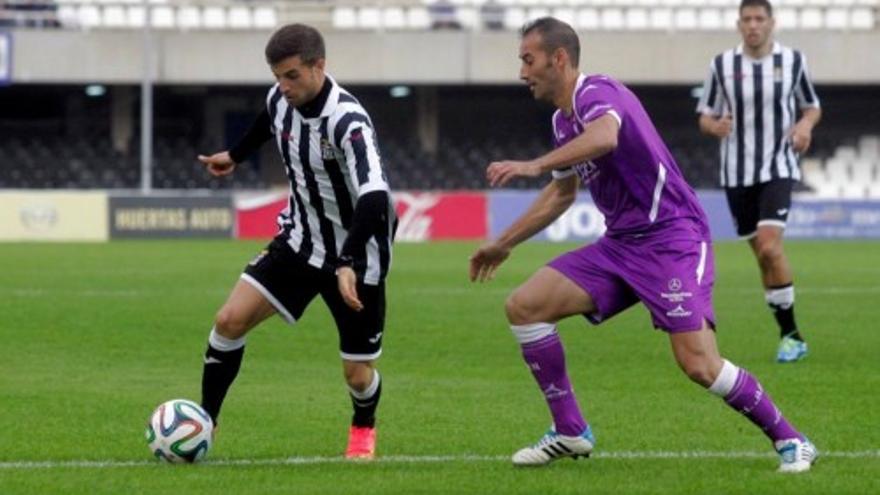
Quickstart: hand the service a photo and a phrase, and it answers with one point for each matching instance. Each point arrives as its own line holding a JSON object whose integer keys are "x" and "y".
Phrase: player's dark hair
{"x": 555, "y": 34}
{"x": 757, "y": 3}
{"x": 295, "y": 39}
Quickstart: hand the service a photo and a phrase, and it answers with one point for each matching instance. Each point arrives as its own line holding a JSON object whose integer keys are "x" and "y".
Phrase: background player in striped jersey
{"x": 656, "y": 249}
{"x": 334, "y": 236}
{"x": 748, "y": 102}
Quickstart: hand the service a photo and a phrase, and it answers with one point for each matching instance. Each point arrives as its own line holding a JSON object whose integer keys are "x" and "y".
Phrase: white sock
{"x": 781, "y": 298}
{"x": 223, "y": 344}
{"x": 725, "y": 380}
{"x": 532, "y": 332}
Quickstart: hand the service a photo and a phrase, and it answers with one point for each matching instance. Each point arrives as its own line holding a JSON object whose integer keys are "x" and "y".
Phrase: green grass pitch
{"x": 93, "y": 336}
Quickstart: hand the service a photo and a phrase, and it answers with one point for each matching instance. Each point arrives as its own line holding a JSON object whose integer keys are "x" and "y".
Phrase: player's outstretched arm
{"x": 598, "y": 139}
{"x": 554, "y": 199}
{"x": 223, "y": 163}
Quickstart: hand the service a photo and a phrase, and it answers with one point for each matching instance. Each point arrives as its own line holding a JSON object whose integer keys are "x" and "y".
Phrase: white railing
{"x": 610, "y": 15}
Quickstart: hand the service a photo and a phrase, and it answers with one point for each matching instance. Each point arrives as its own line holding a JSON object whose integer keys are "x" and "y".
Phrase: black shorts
{"x": 290, "y": 284}
{"x": 762, "y": 204}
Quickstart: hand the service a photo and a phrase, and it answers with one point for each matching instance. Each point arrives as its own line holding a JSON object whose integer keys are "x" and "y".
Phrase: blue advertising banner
{"x": 827, "y": 219}
{"x": 809, "y": 218}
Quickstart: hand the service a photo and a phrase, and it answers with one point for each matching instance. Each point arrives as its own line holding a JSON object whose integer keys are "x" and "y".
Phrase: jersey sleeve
{"x": 562, "y": 172}
{"x": 259, "y": 132}
{"x": 597, "y": 99}
{"x": 712, "y": 99}
{"x": 354, "y": 135}
{"x": 804, "y": 90}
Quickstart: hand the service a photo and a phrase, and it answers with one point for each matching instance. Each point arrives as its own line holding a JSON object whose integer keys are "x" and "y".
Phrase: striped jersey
{"x": 760, "y": 97}
{"x": 331, "y": 160}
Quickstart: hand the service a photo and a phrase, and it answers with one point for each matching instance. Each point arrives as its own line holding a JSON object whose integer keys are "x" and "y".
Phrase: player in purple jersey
{"x": 656, "y": 249}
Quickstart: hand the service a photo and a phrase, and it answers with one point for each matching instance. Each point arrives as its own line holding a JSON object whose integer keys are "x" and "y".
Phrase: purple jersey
{"x": 638, "y": 187}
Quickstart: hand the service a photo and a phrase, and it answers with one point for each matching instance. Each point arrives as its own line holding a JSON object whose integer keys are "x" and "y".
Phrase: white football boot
{"x": 796, "y": 455}
{"x": 554, "y": 446}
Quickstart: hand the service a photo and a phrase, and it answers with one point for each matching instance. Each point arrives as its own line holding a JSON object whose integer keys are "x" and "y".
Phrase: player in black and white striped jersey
{"x": 335, "y": 234}
{"x": 748, "y": 102}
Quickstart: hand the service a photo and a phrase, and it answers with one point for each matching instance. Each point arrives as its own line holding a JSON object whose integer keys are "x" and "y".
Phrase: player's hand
{"x": 723, "y": 126}
{"x": 218, "y": 164}
{"x": 347, "y": 280}
{"x": 801, "y": 136}
{"x": 486, "y": 260}
{"x": 500, "y": 173}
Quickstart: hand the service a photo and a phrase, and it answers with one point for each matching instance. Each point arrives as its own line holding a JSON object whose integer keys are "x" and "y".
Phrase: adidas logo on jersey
{"x": 679, "y": 312}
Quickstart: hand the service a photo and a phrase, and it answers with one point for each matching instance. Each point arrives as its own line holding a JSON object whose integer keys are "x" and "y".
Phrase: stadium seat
{"x": 214, "y": 18}
{"x": 853, "y": 191}
{"x": 862, "y": 172}
{"x": 265, "y": 17}
{"x": 240, "y": 17}
{"x": 189, "y": 17}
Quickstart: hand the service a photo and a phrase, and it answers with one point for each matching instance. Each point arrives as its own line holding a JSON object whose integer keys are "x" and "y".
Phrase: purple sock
{"x": 748, "y": 397}
{"x": 546, "y": 360}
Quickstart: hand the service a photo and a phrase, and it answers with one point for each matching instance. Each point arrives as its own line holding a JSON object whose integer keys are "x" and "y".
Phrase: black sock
{"x": 781, "y": 301}
{"x": 219, "y": 372}
{"x": 785, "y": 319}
{"x": 365, "y": 408}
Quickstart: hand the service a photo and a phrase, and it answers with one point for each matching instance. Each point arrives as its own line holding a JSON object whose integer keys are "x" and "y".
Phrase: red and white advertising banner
{"x": 422, "y": 216}
{"x": 430, "y": 216}
{"x": 256, "y": 216}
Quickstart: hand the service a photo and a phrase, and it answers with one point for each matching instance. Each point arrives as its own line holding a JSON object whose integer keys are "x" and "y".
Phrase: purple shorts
{"x": 671, "y": 275}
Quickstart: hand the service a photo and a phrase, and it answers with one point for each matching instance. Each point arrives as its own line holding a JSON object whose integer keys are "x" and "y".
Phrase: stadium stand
{"x": 52, "y": 144}
{"x": 45, "y": 142}
{"x": 638, "y": 15}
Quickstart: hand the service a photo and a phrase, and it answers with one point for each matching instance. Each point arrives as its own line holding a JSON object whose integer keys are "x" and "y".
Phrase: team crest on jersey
{"x": 587, "y": 171}
{"x": 777, "y": 74}
{"x": 327, "y": 150}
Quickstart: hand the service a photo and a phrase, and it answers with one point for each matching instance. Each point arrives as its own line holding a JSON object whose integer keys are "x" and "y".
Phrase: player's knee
{"x": 358, "y": 377}
{"x": 700, "y": 371}
{"x": 231, "y": 323}
{"x": 769, "y": 252}
{"x": 521, "y": 309}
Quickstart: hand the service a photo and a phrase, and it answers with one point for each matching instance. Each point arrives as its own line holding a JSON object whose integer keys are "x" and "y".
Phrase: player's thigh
{"x": 547, "y": 296}
{"x": 360, "y": 332}
{"x": 744, "y": 208}
{"x": 594, "y": 269}
{"x": 243, "y": 310}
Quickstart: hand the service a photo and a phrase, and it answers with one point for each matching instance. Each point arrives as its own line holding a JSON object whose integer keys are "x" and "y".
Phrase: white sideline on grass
{"x": 420, "y": 459}
{"x": 41, "y": 292}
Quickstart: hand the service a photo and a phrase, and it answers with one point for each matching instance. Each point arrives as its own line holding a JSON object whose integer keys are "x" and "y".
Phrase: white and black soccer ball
{"x": 180, "y": 431}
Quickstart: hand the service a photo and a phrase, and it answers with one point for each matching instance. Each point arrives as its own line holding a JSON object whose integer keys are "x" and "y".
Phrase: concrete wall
{"x": 235, "y": 57}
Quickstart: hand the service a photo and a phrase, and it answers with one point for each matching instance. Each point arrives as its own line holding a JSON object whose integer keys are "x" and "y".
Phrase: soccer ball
{"x": 179, "y": 431}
